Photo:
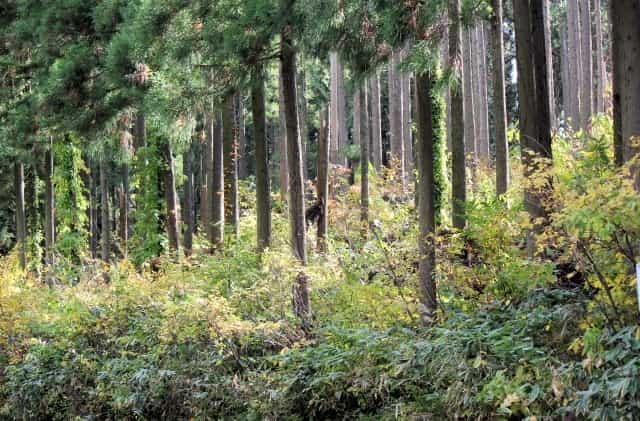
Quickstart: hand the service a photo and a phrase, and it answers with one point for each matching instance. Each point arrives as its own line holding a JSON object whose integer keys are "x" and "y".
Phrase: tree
{"x": 626, "y": 64}
{"x": 104, "y": 211}
{"x": 395, "y": 118}
{"x": 499, "y": 100}
{"x": 456, "y": 95}
{"x": 586, "y": 90}
{"x": 230, "y": 159}
{"x": 217, "y": 192}
{"x": 323, "y": 179}
{"x": 263, "y": 190}
{"x": 189, "y": 197}
{"x": 533, "y": 89}
{"x": 337, "y": 111}
{"x": 376, "y": 122}
{"x": 600, "y": 75}
{"x": 364, "y": 158}
{"x": 21, "y": 226}
{"x": 427, "y": 263}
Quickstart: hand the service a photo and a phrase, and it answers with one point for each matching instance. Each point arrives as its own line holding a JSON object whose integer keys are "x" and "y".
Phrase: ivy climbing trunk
{"x": 263, "y": 189}
{"x": 426, "y": 186}
{"x": 229, "y": 135}
{"x": 456, "y": 99}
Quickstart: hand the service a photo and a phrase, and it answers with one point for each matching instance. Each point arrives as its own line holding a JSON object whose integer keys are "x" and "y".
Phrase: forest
{"x": 319, "y": 209}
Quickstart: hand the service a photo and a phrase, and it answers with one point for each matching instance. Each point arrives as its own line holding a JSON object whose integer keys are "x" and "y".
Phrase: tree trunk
{"x": 124, "y": 199}
{"x": 104, "y": 212}
{"x": 456, "y": 98}
{"x": 188, "y": 214}
{"x": 470, "y": 98}
{"x": 395, "y": 119}
{"x": 586, "y": 92}
{"x": 93, "y": 210}
{"x": 565, "y": 73}
{"x": 617, "y": 61}
{"x": 294, "y": 152}
{"x": 575, "y": 63}
{"x": 499, "y": 100}
{"x": 284, "y": 164}
{"x": 535, "y": 122}
{"x": 427, "y": 263}
{"x": 376, "y": 122}
{"x": 217, "y": 192}
{"x": 364, "y": 160}
{"x": 206, "y": 183}
{"x": 405, "y": 102}
{"x": 21, "y": 225}
{"x": 171, "y": 197}
{"x": 480, "y": 113}
{"x": 625, "y": 15}
{"x": 243, "y": 159}
{"x": 323, "y": 180}
{"x": 231, "y": 211}
{"x": 549, "y": 49}
{"x": 600, "y": 77}
{"x": 263, "y": 190}
{"x": 49, "y": 203}
{"x": 302, "y": 119}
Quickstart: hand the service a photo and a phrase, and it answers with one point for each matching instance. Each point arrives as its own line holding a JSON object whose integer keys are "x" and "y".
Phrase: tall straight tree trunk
{"x": 124, "y": 199}
{"x": 617, "y": 61}
{"x": 284, "y": 156}
{"x": 323, "y": 179}
{"x": 456, "y": 98}
{"x": 21, "y": 224}
{"x": 231, "y": 211}
{"x": 243, "y": 159}
{"x": 395, "y": 118}
{"x": 263, "y": 189}
{"x": 94, "y": 235}
{"x": 533, "y": 88}
{"x": 549, "y": 49}
{"x": 337, "y": 111}
{"x": 470, "y": 129}
{"x": 565, "y": 73}
{"x": 217, "y": 192}
{"x": 302, "y": 119}
{"x": 171, "y": 197}
{"x": 480, "y": 113}
{"x": 427, "y": 263}
{"x": 405, "y": 92}
{"x": 188, "y": 213}
{"x": 104, "y": 211}
{"x": 600, "y": 77}
{"x": 294, "y": 150}
{"x": 499, "y": 100}
{"x": 49, "y": 204}
{"x": 364, "y": 159}
{"x": 586, "y": 91}
{"x": 206, "y": 184}
{"x": 575, "y": 63}
{"x": 376, "y": 122}
{"x": 625, "y": 15}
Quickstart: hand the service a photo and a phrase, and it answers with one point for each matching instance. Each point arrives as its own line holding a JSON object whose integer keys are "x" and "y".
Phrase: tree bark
{"x": 323, "y": 180}
{"x": 284, "y": 165}
{"x": 470, "y": 129}
{"x": 243, "y": 159}
{"x": 171, "y": 197}
{"x": 600, "y": 77}
{"x": 405, "y": 93}
{"x": 104, "y": 212}
{"x": 456, "y": 95}
{"x": 49, "y": 203}
{"x": 217, "y": 192}
{"x": 617, "y": 61}
{"x": 586, "y": 91}
{"x": 376, "y": 122}
{"x": 263, "y": 189}
{"x": 93, "y": 210}
{"x": 575, "y": 63}
{"x": 549, "y": 50}
{"x": 480, "y": 113}
{"x": 395, "y": 119}
{"x": 206, "y": 183}
{"x": 625, "y": 16}
{"x": 499, "y": 100}
{"x": 229, "y": 135}
{"x": 302, "y": 119}
{"x": 565, "y": 74}
{"x": 21, "y": 224}
{"x": 124, "y": 199}
{"x": 364, "y": 160}
{"x": 337, "y": 110}
{"x": 427, "y": 263}
{"x": 189, "y": 198}
{"x": 294, "y": 152}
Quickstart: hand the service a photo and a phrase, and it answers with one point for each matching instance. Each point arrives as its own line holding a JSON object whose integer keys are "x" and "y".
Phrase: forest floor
{"x": 214, "y": 337}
